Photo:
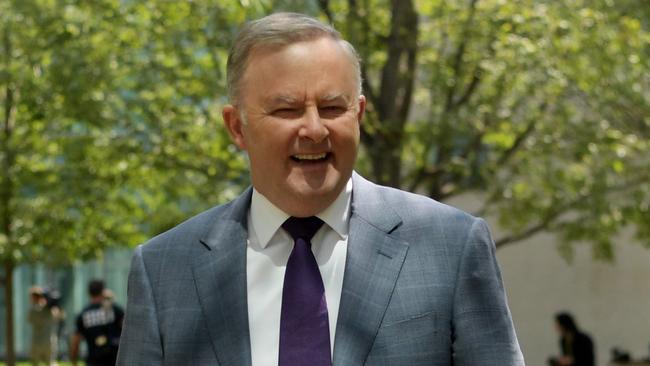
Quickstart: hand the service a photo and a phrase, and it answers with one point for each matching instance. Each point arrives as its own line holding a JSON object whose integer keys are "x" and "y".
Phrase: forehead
{"x": 324, "y": 49}
{"x": 320, "y": 67}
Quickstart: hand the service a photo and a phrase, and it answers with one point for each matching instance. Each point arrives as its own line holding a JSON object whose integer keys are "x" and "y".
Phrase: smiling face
{"x": 301, "y": 129}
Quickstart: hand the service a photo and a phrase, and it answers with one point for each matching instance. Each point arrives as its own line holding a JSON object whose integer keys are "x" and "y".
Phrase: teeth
{"x": 310, "y": 157}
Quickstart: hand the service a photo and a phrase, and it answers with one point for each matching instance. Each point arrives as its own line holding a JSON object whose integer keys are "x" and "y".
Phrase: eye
{"x": 286, "y": 112}
{"x": 331, "y": 111}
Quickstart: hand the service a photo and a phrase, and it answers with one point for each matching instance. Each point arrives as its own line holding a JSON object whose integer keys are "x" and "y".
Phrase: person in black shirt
{"x": 577, "y": 347}
{"x": 100, "y": 324}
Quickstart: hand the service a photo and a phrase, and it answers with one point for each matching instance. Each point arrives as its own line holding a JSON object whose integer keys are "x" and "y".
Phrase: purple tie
{"x": 304, "y": 326}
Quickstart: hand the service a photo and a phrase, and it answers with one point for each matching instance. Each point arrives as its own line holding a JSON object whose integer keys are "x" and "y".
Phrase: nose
{"x": 312, "y": 127}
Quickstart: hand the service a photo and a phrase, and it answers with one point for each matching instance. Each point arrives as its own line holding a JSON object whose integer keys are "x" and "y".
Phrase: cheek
{"x": 345, "y": 149}
{"x": 267, "y": 146}
{"x": 347, "y": 134}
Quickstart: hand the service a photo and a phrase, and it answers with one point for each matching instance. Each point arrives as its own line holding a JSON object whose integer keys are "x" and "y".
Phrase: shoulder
{"x": 194, "y": 228}
{"x": 411, "y": 204}
{"x": 412, "y": 208}
{"x": 583, "y": 338}
{"x": 87, "y": 308}
{"x": 84, "y": 311}
{"x": 430, "y": 227}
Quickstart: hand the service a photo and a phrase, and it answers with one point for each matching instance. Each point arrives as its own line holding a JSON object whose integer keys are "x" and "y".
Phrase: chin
{"x": 308, "y": 200}
{"x": 318, "y": 187}
{"x": 313, "y": 194}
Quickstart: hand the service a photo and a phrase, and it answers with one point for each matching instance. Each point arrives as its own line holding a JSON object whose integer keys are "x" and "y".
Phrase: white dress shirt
{"x": 267, "y": 254}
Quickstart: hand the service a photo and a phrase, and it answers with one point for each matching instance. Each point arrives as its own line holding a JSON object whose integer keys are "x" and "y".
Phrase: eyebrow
{"x": 335, "y": 97}
{"x": 286, "y": 99}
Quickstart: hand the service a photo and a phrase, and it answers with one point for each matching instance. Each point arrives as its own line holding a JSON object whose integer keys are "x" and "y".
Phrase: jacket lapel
{"x": 374, "y": 260}
{"x": 373, "y": 264}
{"x": 219, "y": 272}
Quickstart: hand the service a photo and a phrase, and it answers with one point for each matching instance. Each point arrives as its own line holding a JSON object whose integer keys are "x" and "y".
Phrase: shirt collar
{"x": 266, "y": 218}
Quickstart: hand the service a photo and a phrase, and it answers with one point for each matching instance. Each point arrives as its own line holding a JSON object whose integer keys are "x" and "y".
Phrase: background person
{"x": 576, "y": 347}
{"x": 100, "y": 325}
{"x": 54, "y": 303}
{"x": 41, "y": 320}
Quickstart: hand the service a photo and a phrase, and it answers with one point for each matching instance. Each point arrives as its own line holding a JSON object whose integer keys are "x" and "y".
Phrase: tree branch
{"x": 509, "y": 239}
{"x": 457, "y": 65}
{"x": 519, "y": 140}
{"x": 409, "y": 77}
{"x": 469, "y": 90}
{"x": 555, "y": 213}
{"x": 394, "y": 79}
{"x": 355, "y": 18}
{"x": 420, "y": 175}
{"x": 471, "y": 87}
{"x": 325, "y": 8}
{"x": 368, "y": 89}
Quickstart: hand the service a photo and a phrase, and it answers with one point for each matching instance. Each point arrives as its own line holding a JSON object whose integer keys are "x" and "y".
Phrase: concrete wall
{"x": 610, "y": 301}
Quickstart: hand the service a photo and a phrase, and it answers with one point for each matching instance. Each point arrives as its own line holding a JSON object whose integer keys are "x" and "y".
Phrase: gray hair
{"x": 276, "y": 31}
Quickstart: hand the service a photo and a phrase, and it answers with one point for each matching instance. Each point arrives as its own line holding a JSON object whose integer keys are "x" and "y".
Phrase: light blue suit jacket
{"x": 421, "y": 287}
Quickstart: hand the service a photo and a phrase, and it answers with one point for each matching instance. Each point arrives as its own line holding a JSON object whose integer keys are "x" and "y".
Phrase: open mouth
{"x": 310, "y": 158}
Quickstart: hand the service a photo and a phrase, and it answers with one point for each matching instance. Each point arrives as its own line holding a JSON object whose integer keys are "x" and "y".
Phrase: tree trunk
{"x": 9, "y": 314}
{"x": 393, "y": 100}
{"x": 6, "y": 197}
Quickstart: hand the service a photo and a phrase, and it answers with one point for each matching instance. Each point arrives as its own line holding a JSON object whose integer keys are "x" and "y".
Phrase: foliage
{"x": 113, "y": 113}
{"x": 110, "y": 124}
{"x": 540, "y": 106}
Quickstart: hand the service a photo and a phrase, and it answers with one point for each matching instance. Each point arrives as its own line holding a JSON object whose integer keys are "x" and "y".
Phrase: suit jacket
{"x": 421, "y": 287}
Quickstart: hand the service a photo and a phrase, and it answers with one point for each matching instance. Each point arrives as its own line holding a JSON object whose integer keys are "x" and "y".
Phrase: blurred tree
{"x": 542, "y": 107}
{"x": 110, "y": 124}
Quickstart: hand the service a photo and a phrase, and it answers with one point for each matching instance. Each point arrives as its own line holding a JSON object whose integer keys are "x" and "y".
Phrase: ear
{"x": 234, "y": 124}
{"x": 362, "y": 108}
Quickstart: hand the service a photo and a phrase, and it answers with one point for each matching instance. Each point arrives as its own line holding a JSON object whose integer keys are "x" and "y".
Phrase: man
{"x": 389, "y": 277}
{"x": 41, "y": 318}
{"x": 100, "y": 324}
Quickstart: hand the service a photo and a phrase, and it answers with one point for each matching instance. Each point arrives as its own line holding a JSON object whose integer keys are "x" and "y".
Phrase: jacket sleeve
{"x": 140, "y": 342}
{"x": 483, "y": 332}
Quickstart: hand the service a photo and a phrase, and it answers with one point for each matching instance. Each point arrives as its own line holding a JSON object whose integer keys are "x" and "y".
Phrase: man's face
{"x": 298, "y": 118}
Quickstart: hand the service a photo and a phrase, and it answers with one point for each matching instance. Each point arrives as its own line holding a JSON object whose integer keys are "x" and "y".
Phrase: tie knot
{"x": 302, "y": 227}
